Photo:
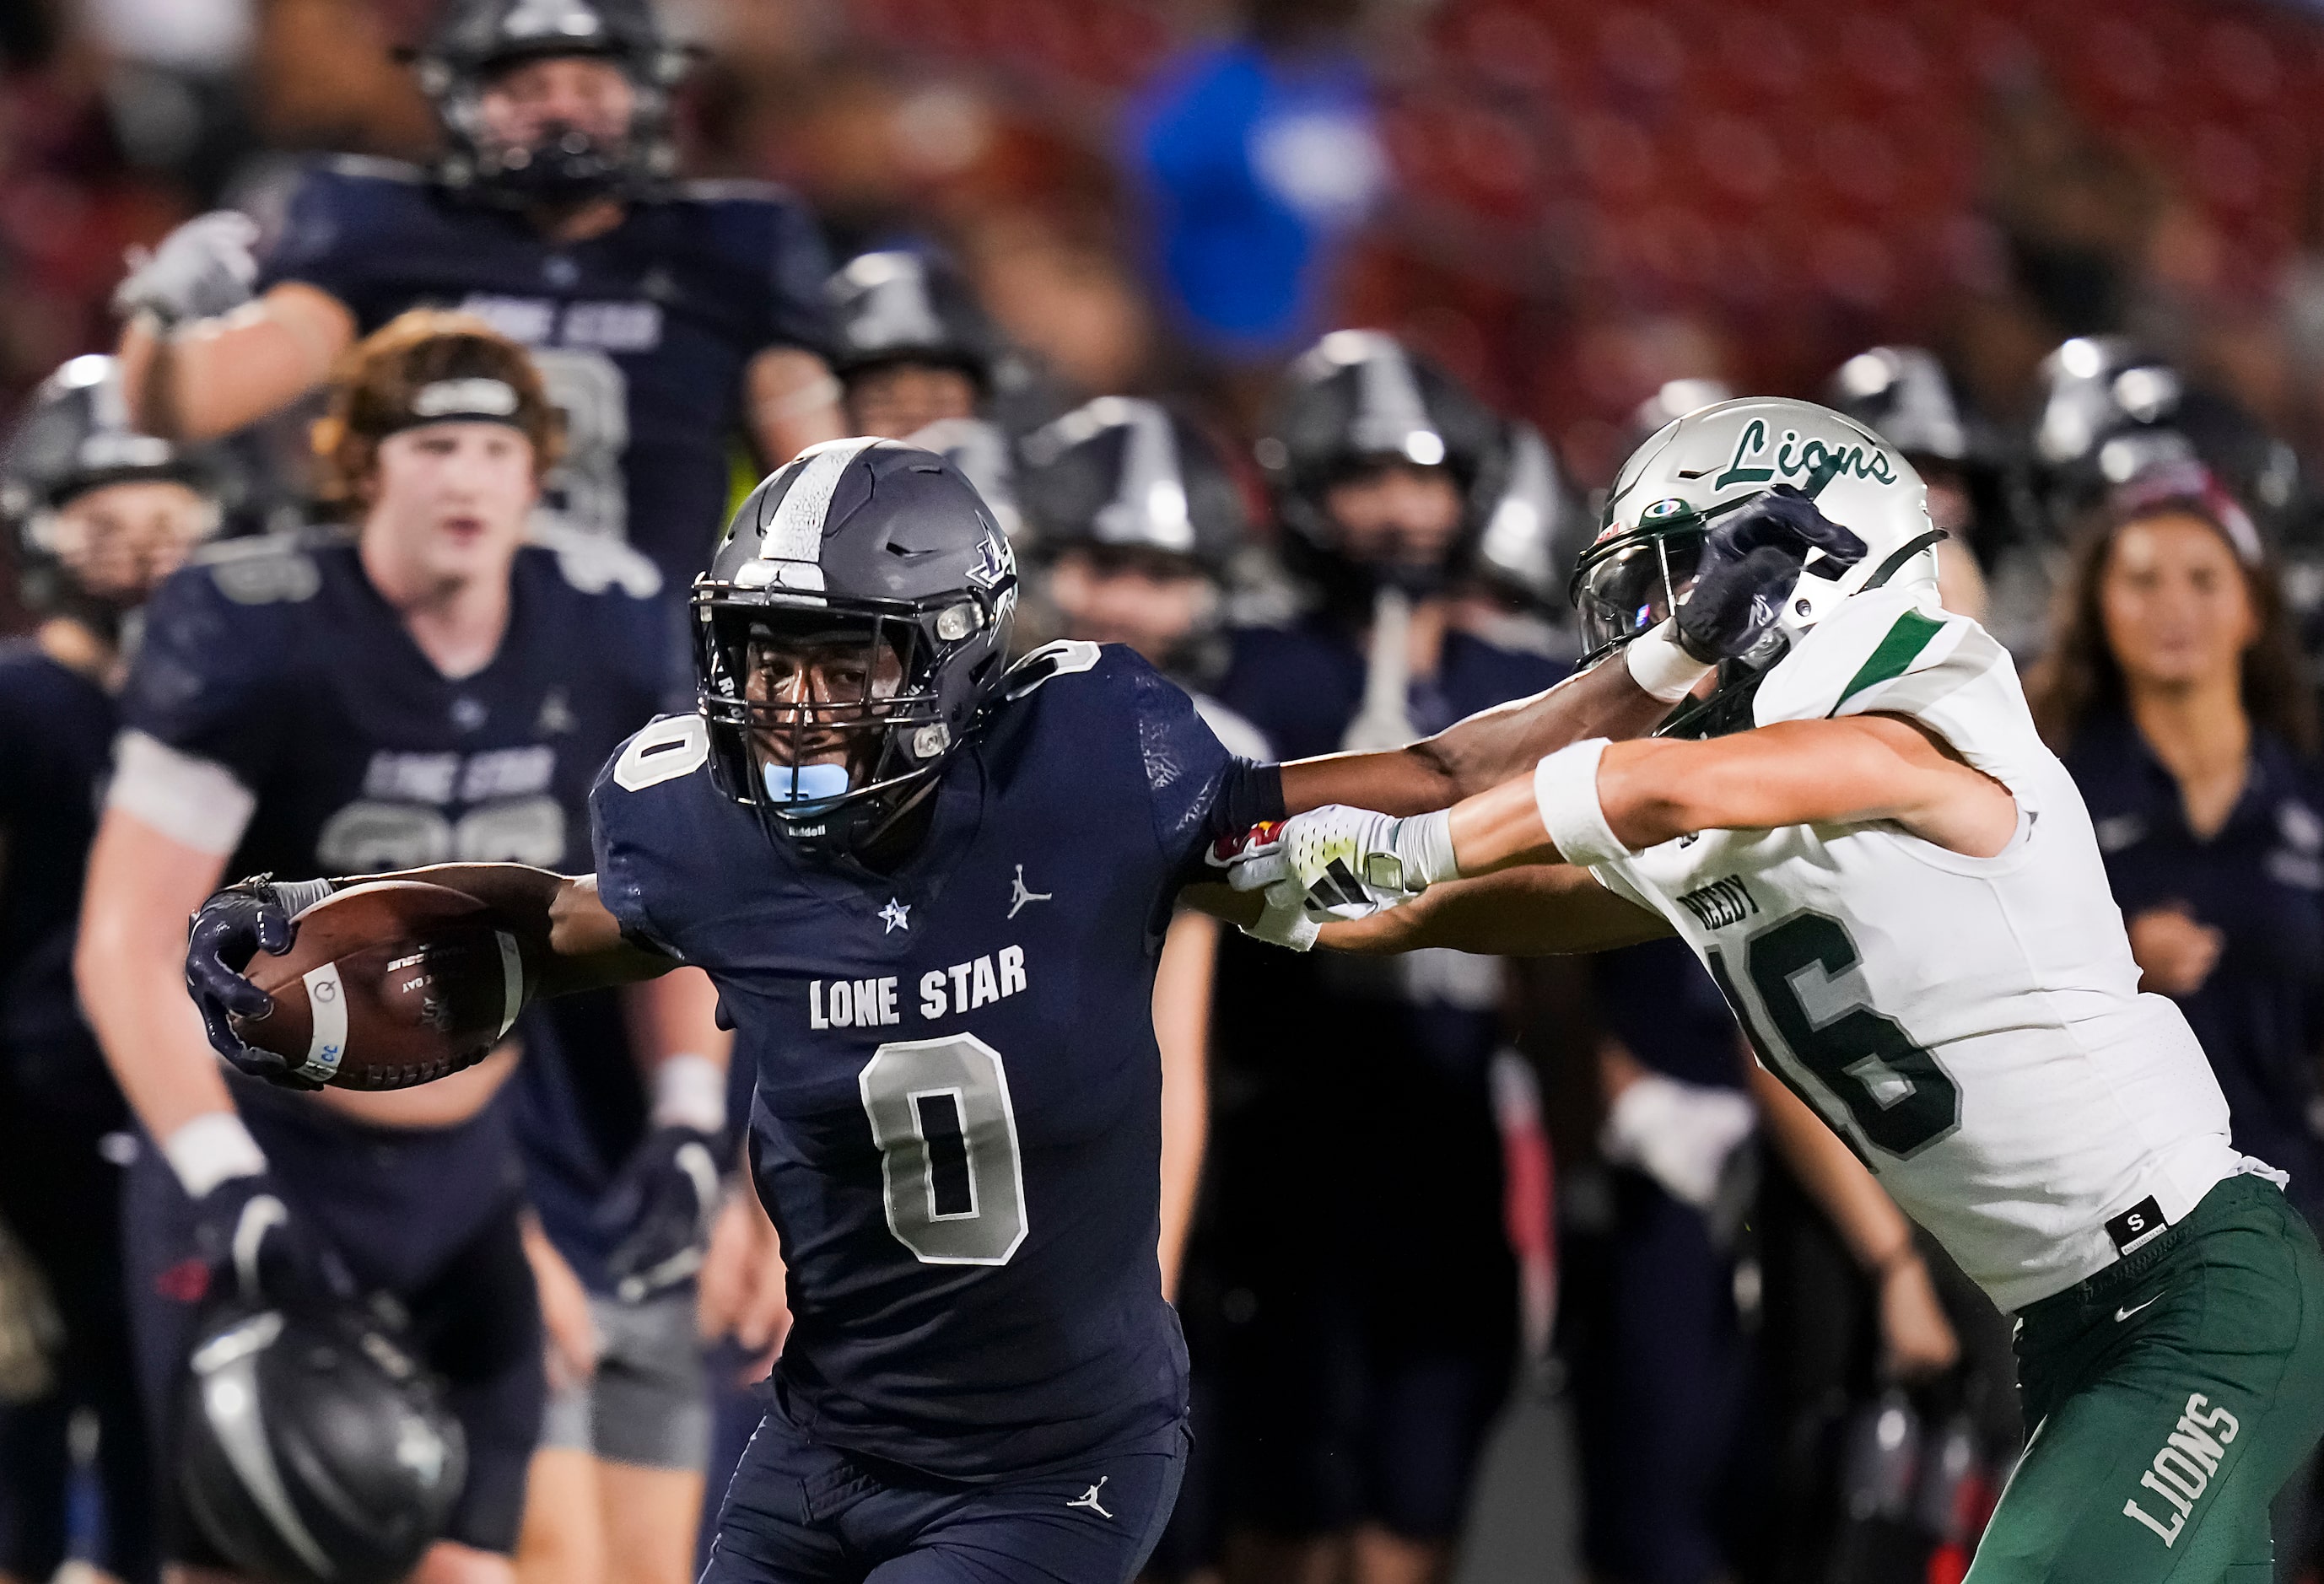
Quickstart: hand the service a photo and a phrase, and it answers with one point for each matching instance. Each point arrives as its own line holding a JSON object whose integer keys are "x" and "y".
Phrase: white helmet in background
{"x": 1696, "y": 469}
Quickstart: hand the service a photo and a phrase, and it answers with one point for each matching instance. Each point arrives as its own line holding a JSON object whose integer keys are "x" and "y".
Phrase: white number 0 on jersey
{"x": 950, "y": 1169}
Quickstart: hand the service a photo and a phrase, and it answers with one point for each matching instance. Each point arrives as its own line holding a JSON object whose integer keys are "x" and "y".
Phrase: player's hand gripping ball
{"x": 379, "y": 985}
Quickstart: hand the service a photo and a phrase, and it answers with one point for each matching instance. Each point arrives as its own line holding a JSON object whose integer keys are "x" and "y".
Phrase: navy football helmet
{"x": 1125, "y": 473}
{"x": 1356, "y": 400}
{"x": 314, "y": 1449}
{"x": 849, "y": 636}
{"x": 903, "y": 307}
{"x": 2112, "y": 409}
{"x": 74, "y": 437}
{"x": 562, "y": 165}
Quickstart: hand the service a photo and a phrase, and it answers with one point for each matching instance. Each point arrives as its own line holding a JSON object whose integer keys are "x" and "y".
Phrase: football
{"x": 388, "y": 985}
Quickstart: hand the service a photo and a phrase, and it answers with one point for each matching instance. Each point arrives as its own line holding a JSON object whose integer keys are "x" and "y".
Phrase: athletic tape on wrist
{"x": 1660, "y": 664}
{"x": 1425, "y": 844}
{"x": 690, "y": 1091}
{"x": 215, "y": 1148}
{"x": 1565, "y": 790}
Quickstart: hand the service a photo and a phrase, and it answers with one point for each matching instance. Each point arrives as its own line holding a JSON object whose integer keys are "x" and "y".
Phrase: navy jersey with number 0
{"x": 957, "y": 1129}
{"x": 643, "y": 333}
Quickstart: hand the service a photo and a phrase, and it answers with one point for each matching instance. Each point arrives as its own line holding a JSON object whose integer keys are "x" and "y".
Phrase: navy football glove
{"x": 249, "y": 917}
{"x": 246, "y": 1233}
{"x": 1750, "y": 564}
{"x": 663, "y": 1204}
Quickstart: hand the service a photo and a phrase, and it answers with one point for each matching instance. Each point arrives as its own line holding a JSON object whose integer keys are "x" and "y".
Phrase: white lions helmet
{"x": 1695, "y": 469}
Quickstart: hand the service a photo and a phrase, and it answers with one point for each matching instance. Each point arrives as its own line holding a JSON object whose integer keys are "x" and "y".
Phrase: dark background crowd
{"x": 1502, "y": 1284}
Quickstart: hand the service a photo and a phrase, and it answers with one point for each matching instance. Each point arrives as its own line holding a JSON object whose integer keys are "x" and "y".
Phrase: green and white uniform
{"x": 1973, "y": 1027}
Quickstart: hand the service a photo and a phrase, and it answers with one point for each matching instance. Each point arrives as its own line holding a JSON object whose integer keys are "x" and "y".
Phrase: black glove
{"x": 257, "y": 1248}
{"x": 662, "y": 1205}
{"x": 1750, "y": 564}
{"x": 233, "y": 926}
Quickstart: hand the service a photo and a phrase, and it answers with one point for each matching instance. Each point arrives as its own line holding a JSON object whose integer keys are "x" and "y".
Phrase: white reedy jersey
{"x": 1972, "y": 1026}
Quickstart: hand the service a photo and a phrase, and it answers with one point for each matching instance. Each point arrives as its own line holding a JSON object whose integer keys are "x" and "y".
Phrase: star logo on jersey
{"x": 896, "y": 915}
{"x": 557, "y": 716}
{"x": 1088, "y": 1498}
{"x": 1020, "y": 894}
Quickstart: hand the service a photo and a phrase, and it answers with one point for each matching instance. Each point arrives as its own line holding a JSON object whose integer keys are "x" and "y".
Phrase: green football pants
{"x": 2171, "y": 1395}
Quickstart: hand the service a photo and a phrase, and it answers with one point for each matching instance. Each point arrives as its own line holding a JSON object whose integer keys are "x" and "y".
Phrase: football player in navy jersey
{"x": 100, "y": 515}
{"x": 1379, "y": 1308}
{"x": 931, "y": 889}
{"x": 666, "y": 317}
{"x": 427, "y": 686}
{"x": 1135, "y": 518}
{"x": 1135, "y": 521}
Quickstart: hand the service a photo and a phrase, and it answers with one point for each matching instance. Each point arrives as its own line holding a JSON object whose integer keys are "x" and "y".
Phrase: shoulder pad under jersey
{"x": 592, "y": 563}
{"x": 269, "y": 568}
{"x": 731, "y": 189}
{"x": 376, "y": 168}
{"x": 1051, "y": 661}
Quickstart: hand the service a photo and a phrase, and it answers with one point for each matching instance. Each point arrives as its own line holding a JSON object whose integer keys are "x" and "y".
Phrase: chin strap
{"x": 1901, "y": 554}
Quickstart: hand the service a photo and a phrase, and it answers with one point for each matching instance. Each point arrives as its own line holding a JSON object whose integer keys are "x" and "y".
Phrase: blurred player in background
{"x": 1372, "y": 1309}
{"x": 666, "y": 317}
{"x": 1136, "y": 520}
{"x": 425, "y": 688}
{"x": 920, "y": 360}
{"x": 100, "y": 515}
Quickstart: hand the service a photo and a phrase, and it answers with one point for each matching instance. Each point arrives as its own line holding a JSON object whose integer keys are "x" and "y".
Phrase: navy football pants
{"x": 800, "y": 1512}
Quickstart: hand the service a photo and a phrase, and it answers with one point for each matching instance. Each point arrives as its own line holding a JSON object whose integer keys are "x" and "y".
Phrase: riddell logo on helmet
{"x": 1811, "y": 466}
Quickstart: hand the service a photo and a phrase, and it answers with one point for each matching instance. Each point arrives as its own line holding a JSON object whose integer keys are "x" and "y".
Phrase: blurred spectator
{"x": 1258, "y": 156}
{"x": 2176, "y": 693}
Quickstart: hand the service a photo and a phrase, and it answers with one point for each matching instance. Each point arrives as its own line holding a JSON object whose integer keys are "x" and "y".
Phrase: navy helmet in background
{"x": 1125, "y": 473}
{"x": 1533, "y": 530}
{"x": 561, "y": 164}
{"x": 2110, "y": 408}
{"x": 1354, "y": 402}
{"x": 316, "y": 1449}
{"x": 75, "y": 438}
{"x": 899, "y": 305}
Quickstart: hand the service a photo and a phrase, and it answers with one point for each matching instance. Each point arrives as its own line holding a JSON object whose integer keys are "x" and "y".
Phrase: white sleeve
{"x": 189, "y": 799}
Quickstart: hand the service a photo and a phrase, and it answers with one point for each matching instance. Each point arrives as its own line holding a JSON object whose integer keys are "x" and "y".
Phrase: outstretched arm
{"x": 1542, "y": 910}
{"x": 1859, "y": 770}
{"x": 569, "y": 939}
{"x": 1748, "y": 565}
{"x": 1482, "y": 751}
{"x": 1594, "y": 802}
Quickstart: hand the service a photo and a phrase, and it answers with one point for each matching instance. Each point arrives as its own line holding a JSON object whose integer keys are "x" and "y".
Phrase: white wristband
{"x": 1660, "y": 664}
{"x": 215, "y": 1148}
{"x": 1425, "y": 845}
{"x": 1565, "y": 790}
{"x": 690, "y": 1091}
